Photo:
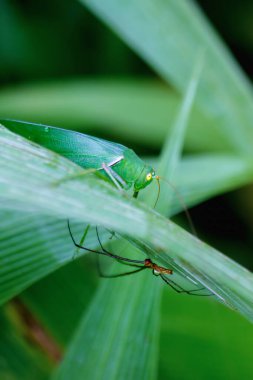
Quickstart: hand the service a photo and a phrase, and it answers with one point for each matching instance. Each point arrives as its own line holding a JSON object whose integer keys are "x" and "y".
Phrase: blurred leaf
{"x": 169, "y": 35}
{"x": 59, "y": 300}
{"x": 102, "y": 106}
{"x": 212, "y": 342}
{"x": 120, "y": 312}
{"x": 173, "y": 146}
{"x": 19, "y": 359}
{"x": 201, "y": 177}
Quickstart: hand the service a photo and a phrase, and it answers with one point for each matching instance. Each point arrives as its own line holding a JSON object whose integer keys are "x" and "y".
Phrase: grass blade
{"x": 168, "y": 35}
{"x": 173, "y": 146}
{"x": 32, "y": 246}
{"x": 29, "y": 187}
{"x": 121, "y": 313}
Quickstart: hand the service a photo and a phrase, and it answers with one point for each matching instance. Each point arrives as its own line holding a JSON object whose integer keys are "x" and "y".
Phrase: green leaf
{"x": 169, "y": 35}
{"x": 27, "y": 174}
{"x": 19, "y": 358}
{"x": 59, "y": 300}
{"x": 33, "y": 245}
{"x": 194, "y": 330}
{"x": 101, "y": 107}
{"x": 201, "y": 177}
{"x": 120, "y": 312}
{"x": 173, "y": 146}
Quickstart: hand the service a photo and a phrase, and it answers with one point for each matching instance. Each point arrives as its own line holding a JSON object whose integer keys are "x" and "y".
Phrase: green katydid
{"x": 115, "y": 161}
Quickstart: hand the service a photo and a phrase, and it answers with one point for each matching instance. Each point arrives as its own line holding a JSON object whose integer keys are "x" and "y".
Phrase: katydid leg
{"x": 116, "y": 179}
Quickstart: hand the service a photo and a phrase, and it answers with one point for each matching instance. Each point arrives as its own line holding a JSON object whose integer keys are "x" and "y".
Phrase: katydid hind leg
{"x": 116, "y": 179}
{"x": 115, "y": 161}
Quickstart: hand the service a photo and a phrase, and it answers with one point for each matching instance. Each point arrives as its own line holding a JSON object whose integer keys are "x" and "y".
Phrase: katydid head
{"x": 145, "y": 178}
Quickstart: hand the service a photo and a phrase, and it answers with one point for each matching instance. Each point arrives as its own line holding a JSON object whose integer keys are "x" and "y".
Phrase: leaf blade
{"x": 73, "y": 199}
{"x": 224, "y": 91}
{"x": 115, "y": 316}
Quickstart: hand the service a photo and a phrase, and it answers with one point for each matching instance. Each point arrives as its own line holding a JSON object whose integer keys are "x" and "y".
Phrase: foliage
{"x": 118, "y": 333}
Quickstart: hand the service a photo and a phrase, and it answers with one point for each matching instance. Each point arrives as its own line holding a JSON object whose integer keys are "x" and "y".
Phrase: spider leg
{"x": 179, "y": 289}
{"x": 104, "y": 251}
{"x": 102, "y": 274}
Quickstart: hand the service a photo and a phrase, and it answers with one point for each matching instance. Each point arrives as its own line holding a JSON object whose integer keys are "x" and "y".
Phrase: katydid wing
{"x": 118, "y": 162}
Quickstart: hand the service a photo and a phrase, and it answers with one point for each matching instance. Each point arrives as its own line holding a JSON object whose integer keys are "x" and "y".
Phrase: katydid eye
{"x": 149, "y": 176}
